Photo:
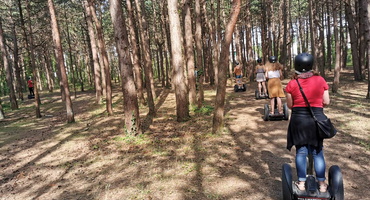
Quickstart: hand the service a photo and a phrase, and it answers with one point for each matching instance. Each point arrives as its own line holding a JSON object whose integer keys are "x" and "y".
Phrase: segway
{"x": 30, "y": 96}
{"x": 276, "y": 116}
{"x": 257, "y": 94}
{"x": 335, "y": 189}
{"x": 239, "y": 87}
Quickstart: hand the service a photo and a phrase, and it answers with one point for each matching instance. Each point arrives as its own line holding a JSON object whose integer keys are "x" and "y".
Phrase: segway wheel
{"x": 286, "y": 111}
{"x": 336, "y": 183}
{"x": 236, "y": 88}
{"x": 256, "y": 94}
{"x": 244, "y": 87}
{"x": 266, "y": 112}
{"x": 286, "y": 181}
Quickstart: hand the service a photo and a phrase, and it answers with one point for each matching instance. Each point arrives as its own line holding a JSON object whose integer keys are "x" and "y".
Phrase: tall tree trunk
{"x": 189, "y": 52}
{"x": 106, "y": 77}
{"x": 181, "y": 93}
{"x": 135, "y": 54}
{"x": 33, "y": 63}
{"x": 362, "y": 17}
{"x": 60, "y": 60}
{"x": 218, "y": 115}
{"x": 198, "y": 44}
{"x": 337, "y": 66}
{"x": 19, "y": 85}
{"x": 353, "y": 38}
{"x": 328, "y": 36}
{"x": 130, "y": 102}
{"x": 144, "y": 35}
{"x": 367, "y": 31}
{"x": 94, "y": 49}
{"x": 8, "y": 70}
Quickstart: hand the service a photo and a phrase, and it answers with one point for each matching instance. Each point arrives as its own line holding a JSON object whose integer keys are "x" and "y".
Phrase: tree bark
{"x": 130, "y": 102}
{"x": 94, "y": 49}
{"x": 135, "y": 54}
{"x": 337, "y": 66}
{"x": 144, "y": 35}
{"x": 189, "y": 52}
{"x": 181, "y": 93}
{"x": 8, "y": 70}
{"x": 60, "y": 61}
{"x": 353, "y": 38}
{"x": 198, "y": 44}
{"x": 106, "y": 77}
{"x": 218, "y": 115}
{"x": 367, "y": 31}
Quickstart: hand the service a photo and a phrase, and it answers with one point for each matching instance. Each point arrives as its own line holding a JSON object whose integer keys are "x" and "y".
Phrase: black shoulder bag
{"x": 325, "y": 127}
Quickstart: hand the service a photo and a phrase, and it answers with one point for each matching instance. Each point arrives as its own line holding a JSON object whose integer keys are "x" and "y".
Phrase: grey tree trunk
{"x": 106, "y": 77}
{"x": 60, "y": 61}
{"x": 144, "y": 36}
{"x": 218, "y": 115}
{"x": 181, "y": 93}
{"x": 353, "y": 38}
{"x": 95, "y": 56}
{"x": 337, "y": 66}
{"x": 189, "y": 52}
{"x": 8, "y": 70}
{"x": 135, "y": 54}
{"x": 130, "y": 102}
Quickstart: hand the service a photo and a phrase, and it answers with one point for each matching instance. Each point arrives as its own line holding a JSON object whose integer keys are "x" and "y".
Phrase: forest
{"x": 134, "y": 99}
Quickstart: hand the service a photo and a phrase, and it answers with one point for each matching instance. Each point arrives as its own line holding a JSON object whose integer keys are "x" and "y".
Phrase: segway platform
{"x": 276, "y": 116}
{"x": 335, "y": 189}
{"x": 31, "y": 96}
{"x": 240, "y": 88}
{"x": 259, "y": 96}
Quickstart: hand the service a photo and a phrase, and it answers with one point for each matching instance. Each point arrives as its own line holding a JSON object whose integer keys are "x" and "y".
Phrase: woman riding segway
{"x": 300, "y": 132}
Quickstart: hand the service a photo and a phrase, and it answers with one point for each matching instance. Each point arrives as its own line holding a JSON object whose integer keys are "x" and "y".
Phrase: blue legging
{"x": 301, "y": 162}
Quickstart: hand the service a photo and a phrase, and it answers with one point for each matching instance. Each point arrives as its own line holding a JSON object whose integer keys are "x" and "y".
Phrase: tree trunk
{"x": 19, "y": 85}
{"x": 198, "y": 44}
{"x": 362, "y": 17}
{"x": 94, "y": 49}
{"x": 144, "y": 35}
{"x": 106, "y": 77}
{"x": 218, "y": 116}
{"x": 60, "y": 60}
{"x": 189, "y": 52}
{"x": 328, "y": 36}
{"x": 367, "y": 31}
{"x": 33, "y": 63}
{"x": 182, "y": 104}
{"x": 354, "y": 44}
{"x": 8, "y": 70}
{"x": 135, "y": 54}
{"x": 130, "y": 102}
{"x": 337, "y": 66}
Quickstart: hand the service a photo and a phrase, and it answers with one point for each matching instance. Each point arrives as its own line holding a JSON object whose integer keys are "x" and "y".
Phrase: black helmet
{"x": 303, "y": 62}
{"x": 236, "y": 63}
{"x": 272, "y": 59}
{"x": 259, "y": 60}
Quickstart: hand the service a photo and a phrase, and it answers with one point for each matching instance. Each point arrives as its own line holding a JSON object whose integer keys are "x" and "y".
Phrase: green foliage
{"x": 205, "y": 110}
{"x": 135, "y": 140}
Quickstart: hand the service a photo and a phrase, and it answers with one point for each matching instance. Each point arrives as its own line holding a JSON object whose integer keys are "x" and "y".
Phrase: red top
{"x": 313, "y": 88}
{"x": 30, "y": 84}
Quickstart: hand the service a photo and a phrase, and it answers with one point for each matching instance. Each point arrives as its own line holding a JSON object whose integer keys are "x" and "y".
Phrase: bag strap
{"x": 305, "y": 98}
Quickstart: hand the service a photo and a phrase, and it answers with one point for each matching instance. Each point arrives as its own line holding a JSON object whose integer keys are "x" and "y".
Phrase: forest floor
{"x": 47, "y": 158}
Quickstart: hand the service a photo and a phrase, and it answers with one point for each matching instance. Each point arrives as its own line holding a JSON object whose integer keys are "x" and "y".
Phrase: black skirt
{"x": 302, "y": 128}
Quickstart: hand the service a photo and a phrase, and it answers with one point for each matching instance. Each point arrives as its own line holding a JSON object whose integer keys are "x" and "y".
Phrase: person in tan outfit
{"x": 238, "y": 74}
{"x": 274, "y": 74}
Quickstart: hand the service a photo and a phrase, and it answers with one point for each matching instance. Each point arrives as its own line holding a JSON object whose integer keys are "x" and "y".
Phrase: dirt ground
{"x": 46, "y": 158}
